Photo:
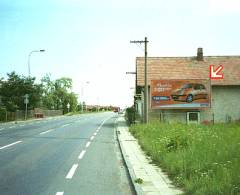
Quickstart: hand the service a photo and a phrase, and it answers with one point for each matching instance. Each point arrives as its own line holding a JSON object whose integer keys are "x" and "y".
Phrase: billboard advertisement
{"x": 185, "y": 94}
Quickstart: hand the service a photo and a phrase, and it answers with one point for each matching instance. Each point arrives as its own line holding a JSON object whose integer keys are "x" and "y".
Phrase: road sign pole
{"x": 26, "y": 101}
{"x": 6, "y": 115}
{"x": 26, "y": 111}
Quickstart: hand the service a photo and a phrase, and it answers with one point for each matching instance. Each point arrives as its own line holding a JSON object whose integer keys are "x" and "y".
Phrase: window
{"x": 193, "y": 117}
{"x": 202, "y": 87}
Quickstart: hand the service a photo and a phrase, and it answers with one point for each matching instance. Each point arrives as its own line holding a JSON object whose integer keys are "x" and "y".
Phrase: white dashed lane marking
{"x": 88, "y": 144}
{"x": 59, "y": 193}
{"x": 81, "y": 154}
{"x": 46, "y": 131}
{"x": 72, "y": 171}
{"x": 11, "y": 127}
{"x": 1, "y": 129}
{"x": 10, "y": 145}
{"x": 92, "y": 138}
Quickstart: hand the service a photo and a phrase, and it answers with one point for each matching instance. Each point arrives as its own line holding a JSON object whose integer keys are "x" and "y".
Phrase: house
{"x": 224, "y": 94}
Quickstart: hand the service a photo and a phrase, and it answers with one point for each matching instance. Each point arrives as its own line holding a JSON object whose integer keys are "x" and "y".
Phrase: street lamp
{"x": 29, "y": 55}
{"x": 82, "y": 92}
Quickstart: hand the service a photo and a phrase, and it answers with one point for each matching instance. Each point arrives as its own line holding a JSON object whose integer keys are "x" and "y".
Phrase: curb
{"x": 29, "y": 120}
{"x": 128, "y": 165}
{"x": 138, "y": 165}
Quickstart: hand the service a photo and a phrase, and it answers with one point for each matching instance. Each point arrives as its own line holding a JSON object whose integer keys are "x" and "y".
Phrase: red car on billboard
{"x": 184, "y": 93}
{"x": 190, "y": 92}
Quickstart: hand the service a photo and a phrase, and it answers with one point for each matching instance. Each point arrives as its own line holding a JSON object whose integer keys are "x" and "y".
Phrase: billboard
{"x": 185, "y": 94}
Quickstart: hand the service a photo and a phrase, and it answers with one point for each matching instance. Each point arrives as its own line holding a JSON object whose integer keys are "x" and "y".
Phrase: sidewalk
{"x": 155, "y": 182}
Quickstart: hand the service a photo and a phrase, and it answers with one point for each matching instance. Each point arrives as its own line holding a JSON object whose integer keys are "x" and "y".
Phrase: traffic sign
{"x": 26, "y": 96}
{"x": 26, "y": 101}
{"x": 215, "y": 74}
{"x": 68, "y": 105}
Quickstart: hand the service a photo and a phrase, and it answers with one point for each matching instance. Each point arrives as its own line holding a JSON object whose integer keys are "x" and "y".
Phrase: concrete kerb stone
{"x": 137, "y": 187}
{"x": 154, "y": 180}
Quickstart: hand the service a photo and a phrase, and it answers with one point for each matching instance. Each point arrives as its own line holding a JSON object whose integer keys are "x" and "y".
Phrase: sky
{"x": 89, "y": 40}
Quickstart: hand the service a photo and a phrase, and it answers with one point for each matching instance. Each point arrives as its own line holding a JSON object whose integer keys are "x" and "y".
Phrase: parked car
{"x": 190, "y": 92}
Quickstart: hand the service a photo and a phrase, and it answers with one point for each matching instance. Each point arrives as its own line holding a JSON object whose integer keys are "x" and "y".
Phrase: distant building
{"x": 224, "y": 95}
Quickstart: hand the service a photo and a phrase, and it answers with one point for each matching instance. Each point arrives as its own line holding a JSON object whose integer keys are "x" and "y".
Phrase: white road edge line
{"x": 59, "y": 193}
{"x": 88, "y": 144}
{"x": 72, "y": 171}
{"x": 46, "y": 131}
{"x": 10, "y": 145}
{"x": 92, "y": 138}
{"x": 65, "y": 125}
{"x": 81, "y": 154}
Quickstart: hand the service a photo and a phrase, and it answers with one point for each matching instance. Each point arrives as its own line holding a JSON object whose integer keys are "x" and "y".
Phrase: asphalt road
{"x": 73, "y": 155}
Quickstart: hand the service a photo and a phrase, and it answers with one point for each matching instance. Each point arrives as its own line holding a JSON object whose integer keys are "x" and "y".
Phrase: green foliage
{"x": 13, "y": 89}
{"x": 202, "y": 159}
{"x": 56, "y": 94}
{"x": 130, "y": 115}
{"x": 2, "y": 114}
{"x": 138, "y": 180}
{"x": 70, "y": 98}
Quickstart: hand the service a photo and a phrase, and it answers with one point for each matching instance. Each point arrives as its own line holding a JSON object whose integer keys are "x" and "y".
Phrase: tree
{"x": 13, "y": 89}
{"x": 57, "y": 93}
{"x": 71, "y": 98}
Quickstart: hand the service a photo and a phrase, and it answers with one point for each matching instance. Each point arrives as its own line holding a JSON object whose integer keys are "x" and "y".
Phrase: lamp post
{"x": 29, "y": 56}
{"x": 82, "y": 90}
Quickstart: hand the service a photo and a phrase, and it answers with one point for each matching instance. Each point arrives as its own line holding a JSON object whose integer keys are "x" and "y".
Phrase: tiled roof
{"x": 189, "y": 68}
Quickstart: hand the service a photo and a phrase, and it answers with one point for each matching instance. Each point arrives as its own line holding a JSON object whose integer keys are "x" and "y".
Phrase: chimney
{"x": 200, "y": 54}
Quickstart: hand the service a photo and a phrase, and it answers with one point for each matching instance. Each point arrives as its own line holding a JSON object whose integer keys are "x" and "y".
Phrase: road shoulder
{"x": 155, "y": 182}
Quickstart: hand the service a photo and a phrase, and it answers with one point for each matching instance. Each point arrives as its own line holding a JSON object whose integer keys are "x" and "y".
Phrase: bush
{"x": 130, "y": 115}
{"x": 2, "y": 114}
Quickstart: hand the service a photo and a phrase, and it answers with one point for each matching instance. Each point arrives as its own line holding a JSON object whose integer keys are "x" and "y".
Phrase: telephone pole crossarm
{"x": 137, "y": 42}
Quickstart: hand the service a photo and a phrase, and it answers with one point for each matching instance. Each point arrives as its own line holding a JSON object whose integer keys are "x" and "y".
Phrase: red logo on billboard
{"x": 215, "y": 74}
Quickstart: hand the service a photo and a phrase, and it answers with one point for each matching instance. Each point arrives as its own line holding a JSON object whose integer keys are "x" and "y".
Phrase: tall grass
{"x": 204, "y": 160}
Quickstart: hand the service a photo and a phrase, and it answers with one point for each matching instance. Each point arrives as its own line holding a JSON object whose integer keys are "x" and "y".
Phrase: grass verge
{"x": 204, "y": 160}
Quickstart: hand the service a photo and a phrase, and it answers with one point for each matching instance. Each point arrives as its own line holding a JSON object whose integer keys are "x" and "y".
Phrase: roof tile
{"x": 189, "y": 68}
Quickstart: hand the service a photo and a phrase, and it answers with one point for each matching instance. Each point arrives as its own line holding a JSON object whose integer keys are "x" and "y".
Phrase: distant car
{"x": 116, "y": 109}
{"x": 190, "y": 92}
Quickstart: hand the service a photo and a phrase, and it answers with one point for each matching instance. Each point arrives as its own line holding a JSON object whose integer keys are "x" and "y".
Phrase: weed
{"x": 138, "y": 180}
{"x": 204, "y": 159}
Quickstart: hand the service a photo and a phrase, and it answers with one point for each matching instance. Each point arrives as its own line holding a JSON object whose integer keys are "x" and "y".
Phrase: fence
{"x": 20, "y": 114}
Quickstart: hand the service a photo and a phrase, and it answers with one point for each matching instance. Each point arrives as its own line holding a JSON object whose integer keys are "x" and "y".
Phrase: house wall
{"x": 225, "y": 107}
{"x": 226, "y": 103}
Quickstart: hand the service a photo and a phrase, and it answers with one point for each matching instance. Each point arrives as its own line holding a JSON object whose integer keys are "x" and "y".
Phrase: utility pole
{"x": 145, "y": 80}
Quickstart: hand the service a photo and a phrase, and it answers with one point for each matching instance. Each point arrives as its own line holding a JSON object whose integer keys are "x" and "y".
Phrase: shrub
{"x": 2, "y": 114}
{"x": 130, "y": 115}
